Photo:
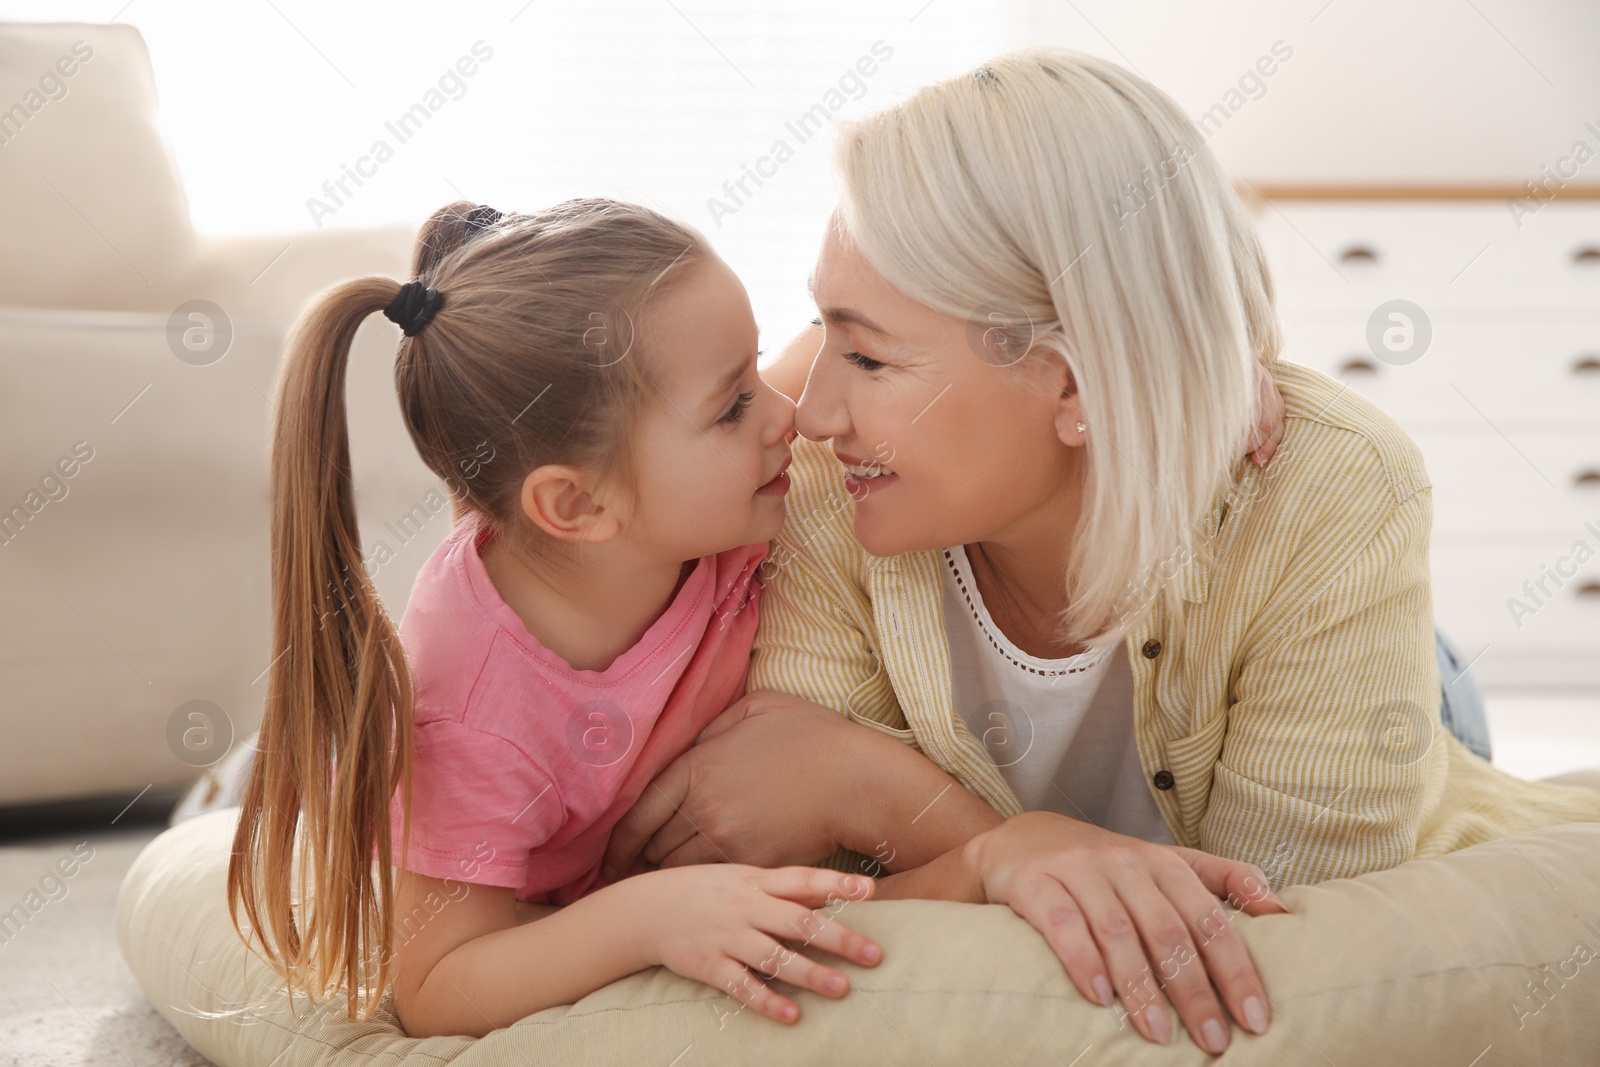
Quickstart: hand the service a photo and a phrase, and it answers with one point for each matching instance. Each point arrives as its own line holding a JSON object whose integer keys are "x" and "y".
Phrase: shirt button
{"x": 1163, "y": 779}
{"x": 1151, "y": 649}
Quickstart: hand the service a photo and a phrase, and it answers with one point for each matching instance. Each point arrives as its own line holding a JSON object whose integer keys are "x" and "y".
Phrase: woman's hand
{"x": 777, "y": 779}
{"x": 1269, "y": 430}
{"x": 718, "y": 923}
{"x": 1118, "y": 909}
{"x": 764, "y": 784}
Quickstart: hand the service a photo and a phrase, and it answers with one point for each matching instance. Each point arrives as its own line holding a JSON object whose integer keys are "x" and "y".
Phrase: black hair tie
{"x": 414, "y": 307}
{"x": 481, "y": 218}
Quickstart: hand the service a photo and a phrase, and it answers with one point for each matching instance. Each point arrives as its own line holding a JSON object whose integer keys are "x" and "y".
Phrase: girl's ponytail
{"x": 336, "y": 731}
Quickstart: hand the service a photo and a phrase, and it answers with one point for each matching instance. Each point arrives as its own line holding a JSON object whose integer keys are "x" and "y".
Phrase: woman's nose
{"x": 818, "y": 415}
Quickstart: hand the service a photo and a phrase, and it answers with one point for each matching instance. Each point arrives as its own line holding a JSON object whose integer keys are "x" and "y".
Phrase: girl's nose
{"x": 785, "y": 421}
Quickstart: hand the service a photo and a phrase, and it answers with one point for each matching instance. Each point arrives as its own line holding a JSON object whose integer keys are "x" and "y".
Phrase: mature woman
{"x": 1089, "y": 662}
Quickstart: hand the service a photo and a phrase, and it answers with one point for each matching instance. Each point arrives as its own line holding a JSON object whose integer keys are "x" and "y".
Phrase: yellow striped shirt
{"x": 1282, "y": 723}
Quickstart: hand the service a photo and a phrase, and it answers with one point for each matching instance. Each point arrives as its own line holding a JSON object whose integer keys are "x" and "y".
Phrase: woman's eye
{"x": 736, "y": 412}
{"x": 862, "y": 361}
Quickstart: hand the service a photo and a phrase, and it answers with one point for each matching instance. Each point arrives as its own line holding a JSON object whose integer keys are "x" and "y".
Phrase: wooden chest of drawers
{"x": 1493, "y": 366}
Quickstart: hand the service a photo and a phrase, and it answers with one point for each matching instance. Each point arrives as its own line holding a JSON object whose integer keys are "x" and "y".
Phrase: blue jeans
{"x": 1460, "y": 703}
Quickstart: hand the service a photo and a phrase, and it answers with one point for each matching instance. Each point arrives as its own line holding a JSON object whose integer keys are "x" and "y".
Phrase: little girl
{"x": 584, "y": 379}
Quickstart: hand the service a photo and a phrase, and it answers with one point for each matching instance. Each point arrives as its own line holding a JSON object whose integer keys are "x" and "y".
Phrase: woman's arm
{"x": 954, "y": 875}
{"x": 1332, "y": 735}
{"x": 777, "y": 779}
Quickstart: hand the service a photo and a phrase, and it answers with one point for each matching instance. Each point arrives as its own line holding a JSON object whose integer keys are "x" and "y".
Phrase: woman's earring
{"x": 1080, "y": 427}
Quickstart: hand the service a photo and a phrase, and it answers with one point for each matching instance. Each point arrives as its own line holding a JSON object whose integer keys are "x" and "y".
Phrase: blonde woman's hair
{"x": 533, "y": 356}
{"x": 1073, "y": 206}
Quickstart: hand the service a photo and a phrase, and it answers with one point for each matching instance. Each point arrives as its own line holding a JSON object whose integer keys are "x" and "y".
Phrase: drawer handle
{"x": 1358, "y": 365}
{"x": 1587, "y": 480}
{"x": 1586, "y": 365}
{"x": 1358, "y": 254}
{"x": 1588, "y": 591}
{"x": 1587, "y": 256}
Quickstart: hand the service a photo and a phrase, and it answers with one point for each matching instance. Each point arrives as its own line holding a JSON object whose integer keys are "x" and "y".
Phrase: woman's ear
{"x": 1071, "y": 427}
{"x": 559, "y": 499}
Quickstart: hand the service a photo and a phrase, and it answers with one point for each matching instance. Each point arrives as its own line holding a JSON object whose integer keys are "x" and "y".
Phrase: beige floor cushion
{"x": 1484, "y": 957}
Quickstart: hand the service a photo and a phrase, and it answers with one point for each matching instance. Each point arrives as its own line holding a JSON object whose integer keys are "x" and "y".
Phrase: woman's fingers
{"x": 755, "y": 702}
{"x": 657, "y": 805}
{"x": 1226, "y": 958}
{"x": 698, "y": 849}
{"x": 1118, "y": 940}
{"x": 1180, "y": 970}
{"x": 730, "y": 717}
{"x": 676, "y": 835}
{"x": 1124, "y": 909}
{"x": 1241, "y": 884}
{"x": 1050, "y": 909}
{"x": 1269, "y": 429}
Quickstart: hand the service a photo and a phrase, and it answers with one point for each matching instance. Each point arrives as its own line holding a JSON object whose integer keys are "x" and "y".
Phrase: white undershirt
{"x": 1060, "y": 730}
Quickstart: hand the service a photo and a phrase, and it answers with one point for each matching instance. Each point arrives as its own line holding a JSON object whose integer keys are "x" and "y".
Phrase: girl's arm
{"x": 469, "y": 958}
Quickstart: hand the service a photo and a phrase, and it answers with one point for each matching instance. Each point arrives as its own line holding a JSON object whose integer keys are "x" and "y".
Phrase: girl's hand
{"x": 1117, "y": 908}
{"x": 1269, "y": 431}
{"x": 730, "y": 926}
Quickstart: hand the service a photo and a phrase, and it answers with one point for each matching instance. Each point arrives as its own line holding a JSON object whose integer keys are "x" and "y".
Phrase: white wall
{"x": 1403, "y": 91}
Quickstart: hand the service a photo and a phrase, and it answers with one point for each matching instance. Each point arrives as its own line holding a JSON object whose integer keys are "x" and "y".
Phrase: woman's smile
{"x": 862, "y": 477}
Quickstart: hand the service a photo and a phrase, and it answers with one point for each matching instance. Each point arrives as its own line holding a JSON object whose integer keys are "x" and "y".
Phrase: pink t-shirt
{"x": 522, "y": 765}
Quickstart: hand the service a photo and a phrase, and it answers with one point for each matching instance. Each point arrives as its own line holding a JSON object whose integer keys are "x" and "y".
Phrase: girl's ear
{"x": 559, "y": 500}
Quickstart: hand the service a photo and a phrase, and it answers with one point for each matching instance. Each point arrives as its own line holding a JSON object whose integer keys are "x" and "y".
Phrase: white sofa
{"x": 133, "y": 460}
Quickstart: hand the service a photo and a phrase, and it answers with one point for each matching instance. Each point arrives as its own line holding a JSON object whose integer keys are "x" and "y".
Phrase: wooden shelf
{"x": 1251, "y": 191}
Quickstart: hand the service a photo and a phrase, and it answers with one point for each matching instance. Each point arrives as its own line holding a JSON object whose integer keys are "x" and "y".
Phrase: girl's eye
{"x": 862, "y": 361}
{"x": 736, "y": 412}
